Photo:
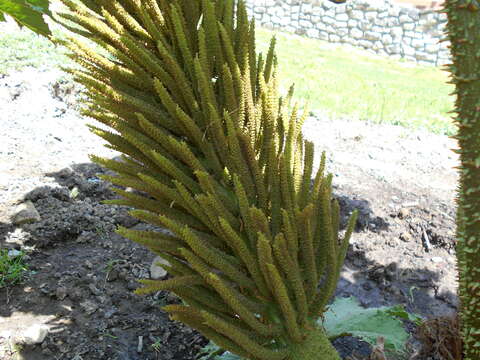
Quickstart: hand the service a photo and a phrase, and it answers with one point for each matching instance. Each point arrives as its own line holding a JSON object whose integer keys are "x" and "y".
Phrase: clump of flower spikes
{"x": 218, "y": 159}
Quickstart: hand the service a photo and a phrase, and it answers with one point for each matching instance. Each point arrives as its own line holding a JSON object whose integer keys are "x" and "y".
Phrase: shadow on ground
{"x": 82, "y": 276}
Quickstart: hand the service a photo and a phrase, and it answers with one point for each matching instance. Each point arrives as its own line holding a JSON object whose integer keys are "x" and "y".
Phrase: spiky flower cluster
{"x": 219, "y": 160}
{"x": 463, "y": 27}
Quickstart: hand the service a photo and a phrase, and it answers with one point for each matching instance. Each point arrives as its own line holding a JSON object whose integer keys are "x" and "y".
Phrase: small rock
{"x": 82, "y": 238}
{"x": 122, "y": 275}
{"x": 403, "y": 213}
{"x": 395, "y": 291}
{"x": 109, "y": 313}
{"x": 47, "y": 352}
{"x": 358, "y": 262}
{"x": 61, "y": 292}
{"x": 437, "y": 259}
{"x": 88, "y": 264}
{"x": 405, "y": 236}
{"x": 157, "y": 272}
{"x": 132, "y": 285}
{"x": 376, "y": 274}
{"x": 44, "y": 289}
{"x": 112, "y": 275}
{"x": 25, "y": 213}
{"x": 76, "y": 294}
{"x": 35, "y": 334}
{"x": 172, "y": 298}
{"x": 367, "y": 286}
{"x": 94, "y": 290}
{"x": 74, "y": 193}
{"x": 17, "y": 238}
{"x": 14, "y": 253}
{"x": 445, "y": 293}
{"x": 391, "y": 272}
{"x": 426, "y": 242}
{"x": 63, "y": 348}
{"x": 89, "y": 307}
{"x": 126, "y": 220}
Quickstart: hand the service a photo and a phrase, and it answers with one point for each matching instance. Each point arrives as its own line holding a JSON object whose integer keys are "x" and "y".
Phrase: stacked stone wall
{"x": 378, "y": 25}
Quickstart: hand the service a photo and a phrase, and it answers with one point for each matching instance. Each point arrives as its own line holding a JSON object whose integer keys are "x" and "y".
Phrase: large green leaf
{"x": 346, "y": 316}
{"x": 28, "y": 13}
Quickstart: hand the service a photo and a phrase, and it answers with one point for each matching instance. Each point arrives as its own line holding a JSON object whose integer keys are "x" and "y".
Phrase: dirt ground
{"x": 82, "y": 274}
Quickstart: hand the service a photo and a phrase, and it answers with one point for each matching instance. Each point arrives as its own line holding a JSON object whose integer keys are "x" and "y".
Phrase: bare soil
{"x": 82, "y": 274}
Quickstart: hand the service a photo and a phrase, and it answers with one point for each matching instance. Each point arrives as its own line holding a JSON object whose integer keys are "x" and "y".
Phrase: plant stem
{"x": 315, "y": 347}
{"x": 463, "y": 26}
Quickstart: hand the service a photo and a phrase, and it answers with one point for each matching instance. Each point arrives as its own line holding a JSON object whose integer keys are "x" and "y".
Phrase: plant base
{"x": 315, "y": 347}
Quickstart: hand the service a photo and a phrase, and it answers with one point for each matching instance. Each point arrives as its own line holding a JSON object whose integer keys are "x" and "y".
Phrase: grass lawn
{"x": 23, "y": 48}
{"x": 353, "y": 83}
{"x": 344, "y": 81}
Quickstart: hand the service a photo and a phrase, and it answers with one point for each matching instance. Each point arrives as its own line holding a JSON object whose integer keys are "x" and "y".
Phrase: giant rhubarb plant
{"x": 219, "y": 160}
{"x": 463, "y": 29}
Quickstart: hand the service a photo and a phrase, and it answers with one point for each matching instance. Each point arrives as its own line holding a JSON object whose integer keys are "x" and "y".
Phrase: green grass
{"x": 353, "y": 83}
{"x": 342, "y": 81}
{"x": 12, "y": 269}
{"x": 24, "y": 48}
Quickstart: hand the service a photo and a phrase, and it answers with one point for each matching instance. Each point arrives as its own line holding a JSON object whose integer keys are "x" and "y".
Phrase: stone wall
{"x": 378, "y": 25}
